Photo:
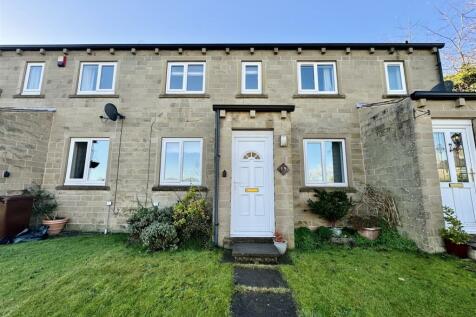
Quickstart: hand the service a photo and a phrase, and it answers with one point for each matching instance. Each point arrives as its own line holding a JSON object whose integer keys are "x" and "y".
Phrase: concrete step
{"x": 246, "y": 252}
{"x": 235, "y": 240}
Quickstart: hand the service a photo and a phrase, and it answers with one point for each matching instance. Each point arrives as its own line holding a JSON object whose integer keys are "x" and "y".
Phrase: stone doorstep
{"x": 255, "y": 253}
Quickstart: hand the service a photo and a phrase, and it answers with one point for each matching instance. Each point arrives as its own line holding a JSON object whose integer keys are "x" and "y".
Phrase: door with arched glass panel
{"x": 455, "y": 158}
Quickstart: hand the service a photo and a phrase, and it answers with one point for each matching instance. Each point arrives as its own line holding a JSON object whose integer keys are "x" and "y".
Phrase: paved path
{"x": 261, "y": 291}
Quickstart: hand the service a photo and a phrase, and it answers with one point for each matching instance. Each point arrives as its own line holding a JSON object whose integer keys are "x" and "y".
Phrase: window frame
{"x": 402, "y": 78}
{"x": 25, "y": 90}
{"x": 84, "y": 181}
{"x": 309, "y": 183}
{"x": 181, "y": 182}
{"x": 184, "y": 90}
{"x": 97, "y": 91}
{"x": 243, "y": 78}
{"x": 316, "y": 91}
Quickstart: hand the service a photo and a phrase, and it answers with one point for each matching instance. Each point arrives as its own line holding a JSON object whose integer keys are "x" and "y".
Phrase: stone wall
{"x": 399, "y": 157}
{"x": 140, "y": 95}
{"x": 24, "y": 140}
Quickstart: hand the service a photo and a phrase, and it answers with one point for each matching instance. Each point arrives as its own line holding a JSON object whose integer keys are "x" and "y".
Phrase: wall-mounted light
{"x": 457, "y": 140}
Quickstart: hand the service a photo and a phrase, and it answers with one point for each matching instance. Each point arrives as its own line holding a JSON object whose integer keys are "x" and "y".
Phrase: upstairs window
{"x": 251, "y": 78}
{"x": 181, "y": 162}
{"x": 33, "y": 79}
{"x": 325, "y": 162}
{"x": 87, "y": 162}
{"x": 97, "y": 78}
{"x": 186, "y": 77}
{"x": 317, "y": 78}
{"x": 395, "y": 77}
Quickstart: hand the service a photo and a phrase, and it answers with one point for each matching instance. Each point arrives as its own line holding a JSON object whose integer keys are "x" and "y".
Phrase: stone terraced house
{"x": 256, "y": 127}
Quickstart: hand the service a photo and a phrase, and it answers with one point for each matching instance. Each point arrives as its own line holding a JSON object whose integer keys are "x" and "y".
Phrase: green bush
{"x": 153, "y": 227}
{"x": 305, "y": 239}
{"x": 323, "y": 234}
{"x": 389, "y": 239}
{"x": 159, "y": 236}
{"x": 454, "y": 231}
{"x": 331, "y": 206}
{"x": 191, "y": 217}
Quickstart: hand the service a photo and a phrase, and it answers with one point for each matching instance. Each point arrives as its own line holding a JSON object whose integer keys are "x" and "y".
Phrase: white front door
{"x": 456, "y": 158}
{"x": 252, "y": 198}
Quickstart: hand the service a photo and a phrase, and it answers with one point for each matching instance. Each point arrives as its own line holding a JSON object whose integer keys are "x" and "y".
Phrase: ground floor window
{"x": 87, "y": 161}
{"x": 324, "y": 162}
{"x": 181, "y": 162}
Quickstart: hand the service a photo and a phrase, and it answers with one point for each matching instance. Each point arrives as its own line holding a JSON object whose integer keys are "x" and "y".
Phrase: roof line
{"x": 52, "y": 47}
{"x": 439, "y": 95}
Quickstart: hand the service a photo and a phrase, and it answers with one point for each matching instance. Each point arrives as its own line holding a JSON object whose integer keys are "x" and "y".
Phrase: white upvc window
{"x": 186, "y": 78}
{"x": 87, "y": 161}
{"x": 317, "y": 78}
{"x": 97, "y": 78}
{"x": 251, "y": 77}
{"x": 325, "y": 162}
{"x": 33, "y": 78}
{"x": 395, "y": 78}
{"x": 181, "y": 161}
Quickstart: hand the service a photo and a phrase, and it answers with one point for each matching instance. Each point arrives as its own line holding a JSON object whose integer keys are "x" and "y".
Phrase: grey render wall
{"x": 399, "y": 157}
{"x": 140, "y": 88}
{"x": 24, "y": 138}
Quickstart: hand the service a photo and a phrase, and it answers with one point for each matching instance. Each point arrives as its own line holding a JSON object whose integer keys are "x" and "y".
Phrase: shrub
{"x": 389, "y": 239}
{"x": 191, "y": 217}
{"x": 44, "y": 203}
{"x": 305, "y": 239}
{"x": 153, "y": 227}
{"x": 323, "y": 234}
{"x": 331, "y": 206}
{"x": 159, "y": 236}
{"x": 454, "y": 231}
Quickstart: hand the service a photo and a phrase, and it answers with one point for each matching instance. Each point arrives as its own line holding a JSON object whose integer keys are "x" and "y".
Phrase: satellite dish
{"x": 112, "y": 113}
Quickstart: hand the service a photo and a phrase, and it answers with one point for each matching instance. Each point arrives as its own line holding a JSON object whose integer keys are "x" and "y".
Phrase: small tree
{"x": 332, "y": 206}
{"x": 44, "y": 203}
{"x": 454, "y": 231}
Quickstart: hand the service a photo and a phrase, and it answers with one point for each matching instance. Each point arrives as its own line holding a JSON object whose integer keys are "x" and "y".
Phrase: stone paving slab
{"x": 258, "y": 277}
{"x": 257, "y": 304}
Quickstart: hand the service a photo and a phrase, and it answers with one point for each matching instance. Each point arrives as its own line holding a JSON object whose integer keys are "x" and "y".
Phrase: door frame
{"x": 239, "y": 134}
{"x": 466, "y": 125}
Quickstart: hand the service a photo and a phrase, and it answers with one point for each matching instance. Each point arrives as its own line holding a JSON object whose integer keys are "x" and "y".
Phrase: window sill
{"x": 393, "y": 96}
{"x": 324, "y": 96}
{"x": 308, "y": 189}
{"x": 178, "y": 188}
{"x": 94, "y": 96}
{"x": 184, "y": 96}
{"x": 81, "y": 187}
{"x": 251, "y": 96}
{"x": 29, "y": 96}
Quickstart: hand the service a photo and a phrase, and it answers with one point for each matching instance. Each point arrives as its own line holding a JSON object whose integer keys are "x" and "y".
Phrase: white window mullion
{"x": 98, "y": 78}
{"x": 181, "y": 162}
{"x": 316, "y": 82}
{"x": 87, "y": 161}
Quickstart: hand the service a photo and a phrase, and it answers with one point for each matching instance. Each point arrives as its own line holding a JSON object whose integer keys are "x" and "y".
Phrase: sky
{"x": 207, "y": 21}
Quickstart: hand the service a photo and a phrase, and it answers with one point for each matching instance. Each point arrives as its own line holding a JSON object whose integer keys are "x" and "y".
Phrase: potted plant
{"x": 280, "y": 243}
{"x": 44, "y": 208}
{"x": 332, "y": 206}
{"x": 367, "y": 227}
{"x": 455, "y": 238}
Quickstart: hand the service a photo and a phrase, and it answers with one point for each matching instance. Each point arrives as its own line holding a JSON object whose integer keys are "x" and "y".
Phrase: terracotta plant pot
{"x": 370, "y": 233}
{"x": 55, "y": 226}
{"x": 460, "y": 250}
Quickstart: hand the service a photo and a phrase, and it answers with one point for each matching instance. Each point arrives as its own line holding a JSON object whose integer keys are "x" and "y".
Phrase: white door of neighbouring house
{"x": 252, "y": 198}
{"x": 456, "y": 159}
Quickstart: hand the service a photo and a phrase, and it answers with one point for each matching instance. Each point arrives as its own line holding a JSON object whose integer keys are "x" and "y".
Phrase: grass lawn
{"x": 102, "y": 276}
{"x": 364, "y": 282}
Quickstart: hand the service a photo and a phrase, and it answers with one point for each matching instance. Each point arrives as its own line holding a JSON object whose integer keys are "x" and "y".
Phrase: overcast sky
{"x": 179, "y": 21}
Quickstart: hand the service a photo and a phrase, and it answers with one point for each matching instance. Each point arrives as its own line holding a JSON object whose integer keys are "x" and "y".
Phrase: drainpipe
{"x": 217, "y": 177}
